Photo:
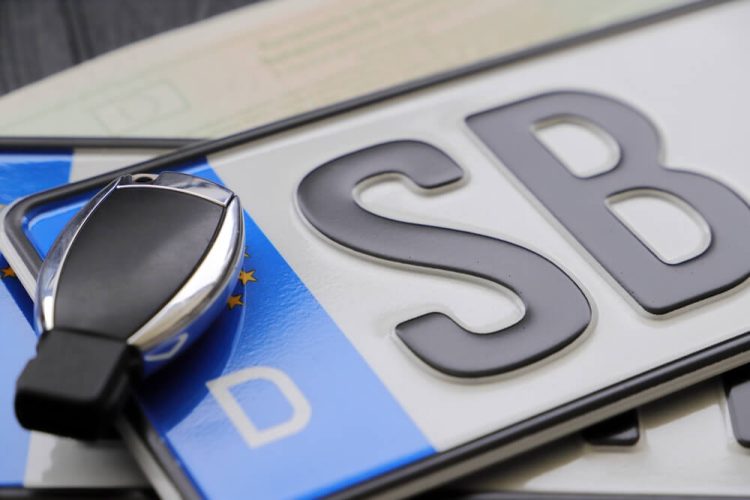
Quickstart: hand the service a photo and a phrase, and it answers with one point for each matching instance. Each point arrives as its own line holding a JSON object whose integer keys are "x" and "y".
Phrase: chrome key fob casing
{"x": 197, "y": 279}
{"x": 137, "y": 275}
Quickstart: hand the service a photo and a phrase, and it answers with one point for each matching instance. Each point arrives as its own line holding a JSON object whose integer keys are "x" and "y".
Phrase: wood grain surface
{"x": 41, "y": 37}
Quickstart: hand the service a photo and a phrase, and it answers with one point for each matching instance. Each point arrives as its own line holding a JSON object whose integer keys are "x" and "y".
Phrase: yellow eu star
{"x": 234, "y": 301}
{"x": 247, "y": 276}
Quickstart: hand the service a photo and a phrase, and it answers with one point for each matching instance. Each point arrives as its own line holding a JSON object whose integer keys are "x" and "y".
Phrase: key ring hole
{"x": 143, "y": 178}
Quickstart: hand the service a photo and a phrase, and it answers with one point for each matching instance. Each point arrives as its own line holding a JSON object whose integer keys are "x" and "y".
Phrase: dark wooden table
{"x": 41, "y": 37}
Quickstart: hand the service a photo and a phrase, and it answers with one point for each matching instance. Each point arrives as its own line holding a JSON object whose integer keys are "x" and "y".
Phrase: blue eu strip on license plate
{"x": 438, "y": 282}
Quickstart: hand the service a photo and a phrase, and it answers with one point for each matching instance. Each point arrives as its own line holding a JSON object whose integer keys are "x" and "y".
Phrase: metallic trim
{"x": 210, "y": 281}
{"x": 176, "y": 181}
{"x": 197, "y": 302}
{"x": 49, "y": 273}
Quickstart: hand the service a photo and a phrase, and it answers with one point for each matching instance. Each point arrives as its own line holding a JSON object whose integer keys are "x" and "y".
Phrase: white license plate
{"x": 437, "y": 282}
{"x": 691, "y": 443}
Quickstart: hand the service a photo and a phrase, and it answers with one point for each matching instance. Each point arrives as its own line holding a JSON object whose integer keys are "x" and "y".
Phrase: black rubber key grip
{"x": 130, "y": 257}
{"x": 75, "y": 386}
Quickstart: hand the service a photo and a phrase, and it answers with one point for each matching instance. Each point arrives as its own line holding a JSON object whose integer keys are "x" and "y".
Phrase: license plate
{"x": 440, "y": 281}
{"x": 692, "y": 429}
{"x": 692, "y": 443}
{"x": 35, "y": 459}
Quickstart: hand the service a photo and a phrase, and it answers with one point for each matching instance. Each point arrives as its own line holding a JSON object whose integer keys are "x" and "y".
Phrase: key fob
{"x": 131, "y": 281}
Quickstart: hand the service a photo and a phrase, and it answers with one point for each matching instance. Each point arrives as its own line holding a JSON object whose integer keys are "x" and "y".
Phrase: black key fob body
{"x": 130, "y": 282}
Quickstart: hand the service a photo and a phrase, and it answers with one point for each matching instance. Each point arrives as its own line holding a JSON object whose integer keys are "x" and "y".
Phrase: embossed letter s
{"x": 556, "y": 310}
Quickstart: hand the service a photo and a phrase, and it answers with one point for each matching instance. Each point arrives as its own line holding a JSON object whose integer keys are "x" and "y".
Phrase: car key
{"x": 132, "y": 280}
